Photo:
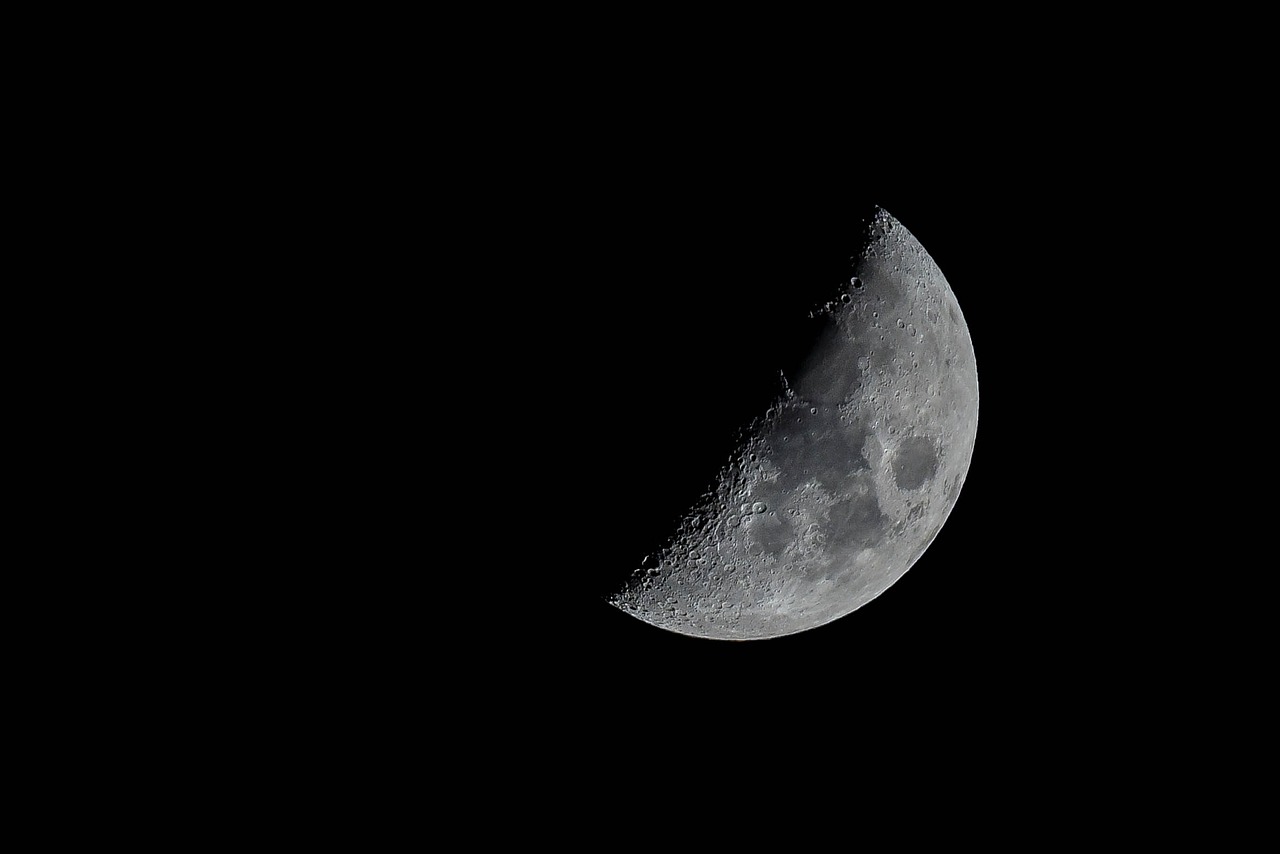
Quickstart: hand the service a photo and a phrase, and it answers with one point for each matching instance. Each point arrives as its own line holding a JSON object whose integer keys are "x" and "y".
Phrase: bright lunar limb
{"x": 837, "y": 489}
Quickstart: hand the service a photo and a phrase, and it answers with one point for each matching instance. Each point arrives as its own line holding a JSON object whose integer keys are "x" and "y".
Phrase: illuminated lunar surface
{"x": 840, "y": 486}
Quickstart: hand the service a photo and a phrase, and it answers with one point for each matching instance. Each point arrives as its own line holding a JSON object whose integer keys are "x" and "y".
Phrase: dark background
{"x": 479, "y": 449}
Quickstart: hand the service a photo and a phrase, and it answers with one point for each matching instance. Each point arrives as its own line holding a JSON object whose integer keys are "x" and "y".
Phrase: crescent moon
{"x": 838, "y": 488}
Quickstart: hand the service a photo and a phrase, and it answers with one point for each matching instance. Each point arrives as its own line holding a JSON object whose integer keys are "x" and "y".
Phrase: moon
{"x": 832, "y": 493}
